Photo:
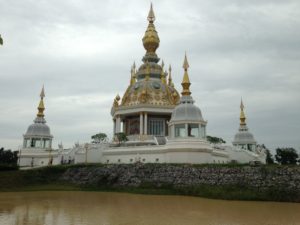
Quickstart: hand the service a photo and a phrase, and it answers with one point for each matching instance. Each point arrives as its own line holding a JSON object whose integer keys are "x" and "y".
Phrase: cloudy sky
{"x": 82, "y": 52}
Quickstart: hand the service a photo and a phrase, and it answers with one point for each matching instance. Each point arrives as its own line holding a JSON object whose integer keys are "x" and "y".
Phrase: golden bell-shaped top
{"x": 151, "y": 39}
{"x": 242, "y": 114}
{"x": 186, "y": 80}
{"x": 41, "y": 106}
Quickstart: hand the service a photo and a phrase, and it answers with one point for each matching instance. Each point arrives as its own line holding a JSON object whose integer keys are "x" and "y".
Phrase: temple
{"x": 37, "y": 141}
{"x": 159, "y": 124}
{"x": 147, "y": 104}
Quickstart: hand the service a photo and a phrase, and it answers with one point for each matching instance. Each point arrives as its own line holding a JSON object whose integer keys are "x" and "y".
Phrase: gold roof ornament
{"x": 242, "y": 114}
{"x": 41, "y": 106}
{"x": 186, "y": 80}
{"x": 151, "y": 39}
{"x": 133, "y": 77}
{"x": 170, "y": 82}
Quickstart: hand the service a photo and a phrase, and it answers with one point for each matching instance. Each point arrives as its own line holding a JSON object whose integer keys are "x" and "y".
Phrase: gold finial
{"x": 170, "y": 82}
{"x": 41, "y": 106}
{"x": 242, "y": 115}
{"x": 116, "y": 101}
{"x": 133, "y": 66}
{"x": 151, "y": 16}
{"x": 133, "y": 77}
{"x": 163, "y": 76}
{"x": 186, "y": 80}
{"x": 151, "y": 39}
{"x": 185, "y": 63}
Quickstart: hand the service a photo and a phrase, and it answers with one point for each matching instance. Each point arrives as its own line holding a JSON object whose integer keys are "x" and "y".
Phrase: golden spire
{"x": 242, "y": 115}
{"x": 133, "y": 78}
{"x": 186, "y": 81}
{"x": 151, "y": 39}
{"x": 170, "y": 83}
{"x": 41, "y": 106}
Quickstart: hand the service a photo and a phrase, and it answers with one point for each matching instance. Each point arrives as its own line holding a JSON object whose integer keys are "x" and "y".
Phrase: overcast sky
{"x": 82, "y": 52}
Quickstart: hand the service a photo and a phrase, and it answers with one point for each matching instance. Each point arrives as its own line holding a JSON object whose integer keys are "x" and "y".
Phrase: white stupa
{"x": 243, "y": 138}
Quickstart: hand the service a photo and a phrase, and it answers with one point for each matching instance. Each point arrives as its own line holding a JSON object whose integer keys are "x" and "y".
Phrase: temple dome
{"x": 186, "y": 111}
{"x": 244, "y": 136}
{"x": 38, "y": 129}
{"x": 151, "y": 92}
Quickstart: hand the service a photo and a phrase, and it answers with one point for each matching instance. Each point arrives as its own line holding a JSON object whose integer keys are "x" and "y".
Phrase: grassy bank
{"x": 49, "y": 178}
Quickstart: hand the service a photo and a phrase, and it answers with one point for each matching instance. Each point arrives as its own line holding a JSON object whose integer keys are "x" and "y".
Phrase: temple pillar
{"x": 145, "y": 123}
{"x": 124, "y": 126}
{"x": 114, "y": 128}
{"x": 141, "y": 123}
{"x": 118, "y": 124}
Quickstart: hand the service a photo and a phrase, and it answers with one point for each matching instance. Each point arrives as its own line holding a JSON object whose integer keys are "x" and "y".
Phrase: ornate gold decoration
{"x": 186, "y": 80}
{"x": 170, "y": 81}
{"x": 143, "y": 96}
{"x": 116, "y": 101}
{"x": 133, "y": 76}
{"x": 41, "y": 106}
{"x": 142, "y": 89}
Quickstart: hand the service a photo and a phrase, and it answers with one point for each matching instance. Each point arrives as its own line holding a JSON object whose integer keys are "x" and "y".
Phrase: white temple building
{"x": 160, "y": 125}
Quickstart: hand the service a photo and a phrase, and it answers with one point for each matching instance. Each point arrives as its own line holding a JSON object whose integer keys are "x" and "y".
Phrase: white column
{"x": 186, "y": 130}
{"x": 145, "y": 122}
{"x": 118, "y": 124}
{"x": 124, "y": 126}
{"x": 141, "y": 123}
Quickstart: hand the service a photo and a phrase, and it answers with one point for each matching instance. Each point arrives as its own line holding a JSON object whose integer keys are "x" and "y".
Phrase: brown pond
{"x": 98, "y": 208}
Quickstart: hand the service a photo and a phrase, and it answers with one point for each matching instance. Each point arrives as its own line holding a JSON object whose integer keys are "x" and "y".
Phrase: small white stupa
{"x": 37, "y": 141}
{"x": 243, "y": 138}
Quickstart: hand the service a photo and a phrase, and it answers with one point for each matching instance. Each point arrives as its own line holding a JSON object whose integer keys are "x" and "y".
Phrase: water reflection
{"x": 94, "y": 208}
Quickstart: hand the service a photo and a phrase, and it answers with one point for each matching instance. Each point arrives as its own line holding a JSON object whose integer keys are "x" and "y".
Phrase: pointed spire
{"x": 242, "y": 114}
{"x": 41, "y": 106}
{"x": 170, "y": 82}
{"x": 186, "y": 80}
{"x": 42, "y": 95}
{"x": 133, "y": 77}
{"x": 151, "y": 16}
{"x": 151, "y": 39}
{"x": 162, "y": 64}
{"x": 185, "y": 63}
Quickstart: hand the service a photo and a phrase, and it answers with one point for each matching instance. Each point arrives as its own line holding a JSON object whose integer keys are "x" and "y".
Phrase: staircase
{"x": 161, "y": 140}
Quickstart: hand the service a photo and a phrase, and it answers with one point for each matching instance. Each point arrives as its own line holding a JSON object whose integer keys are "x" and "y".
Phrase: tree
{"x": 286, "y": 156}
{"x": 7, "y": 157}
{"x": 121, "y": 137}
{"x": 99, "y": 138}
{"x": 1, "y": 40}
{"x": 269, "y": 156}
{"x": 215, "y": 140}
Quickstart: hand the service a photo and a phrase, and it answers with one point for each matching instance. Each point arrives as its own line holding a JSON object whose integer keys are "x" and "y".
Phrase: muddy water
{"x": 97, "y": 208}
